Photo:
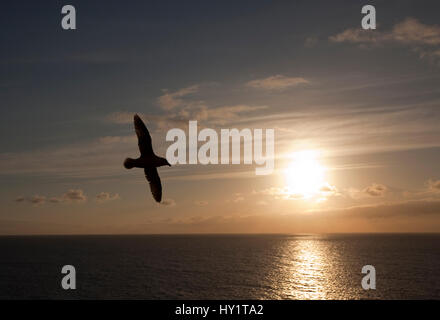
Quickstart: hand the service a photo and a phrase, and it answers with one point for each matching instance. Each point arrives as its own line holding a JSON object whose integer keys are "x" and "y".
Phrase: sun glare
{"x": 305, "y": 176}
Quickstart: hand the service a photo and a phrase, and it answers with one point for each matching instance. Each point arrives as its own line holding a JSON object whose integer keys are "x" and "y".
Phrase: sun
{"x": 305, "y": 176}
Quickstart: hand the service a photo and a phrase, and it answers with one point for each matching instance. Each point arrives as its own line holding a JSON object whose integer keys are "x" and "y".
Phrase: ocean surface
{"x": 221, "y": 266}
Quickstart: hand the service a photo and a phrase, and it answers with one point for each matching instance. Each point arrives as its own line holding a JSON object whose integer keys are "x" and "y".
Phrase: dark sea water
{"x": 221, "y": 266}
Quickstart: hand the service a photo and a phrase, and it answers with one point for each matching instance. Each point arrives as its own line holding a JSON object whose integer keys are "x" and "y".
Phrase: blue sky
{"x": 368, "y": 101}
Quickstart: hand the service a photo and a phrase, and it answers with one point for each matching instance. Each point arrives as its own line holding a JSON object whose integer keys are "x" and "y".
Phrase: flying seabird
{"x": 148, "y": 160}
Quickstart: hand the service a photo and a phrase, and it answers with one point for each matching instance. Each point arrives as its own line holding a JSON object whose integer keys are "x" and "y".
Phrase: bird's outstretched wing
{"x": 155, "y": 185}
{"x": 144, "y": 138}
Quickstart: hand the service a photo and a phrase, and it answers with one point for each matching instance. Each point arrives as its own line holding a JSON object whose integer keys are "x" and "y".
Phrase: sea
{"x": 281, "y": 267}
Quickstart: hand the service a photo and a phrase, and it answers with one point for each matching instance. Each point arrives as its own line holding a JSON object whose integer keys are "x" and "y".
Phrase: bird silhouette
{"x": 148, "y": 160}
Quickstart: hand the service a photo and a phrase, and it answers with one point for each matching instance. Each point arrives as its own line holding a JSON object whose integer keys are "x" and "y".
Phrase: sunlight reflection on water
{"x": 304, "y": 270}
{"x": 317, "y": 267}
{"x": 222, "y": 266}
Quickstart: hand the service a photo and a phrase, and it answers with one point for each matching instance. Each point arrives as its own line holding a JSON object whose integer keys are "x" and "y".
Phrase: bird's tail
{"x": 128, "y": 163}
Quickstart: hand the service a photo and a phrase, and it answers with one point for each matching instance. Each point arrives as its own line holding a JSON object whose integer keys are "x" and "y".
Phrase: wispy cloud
{"x": 168, "y": 203}
{"x": 71, "y": 196}
{"x": 76, "y": 195}
{"x": 179, "y": 117}
{"x": 178, "y": 107}
{"x": 35, "y": 200}
{"x": 221, "y": 115}
{"x": 376, "y": 190}
{"x": 434, "y": 185}
{"x": 412, "y": 208}
{"x": 106, "y": 196}
{"x": 421, "y": 38}
{"x": 20, "y": 199}
{"x": 414, "y": 32}
{"x": 284, "y": 193}
{"x": 238, "y": 198}
{"x": 171, "y": 100}
{"x": 409, "y": 31}
{"x": 276, "y": 82}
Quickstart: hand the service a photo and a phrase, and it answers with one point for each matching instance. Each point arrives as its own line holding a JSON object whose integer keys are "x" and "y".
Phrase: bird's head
{"x": 128, "y": 163}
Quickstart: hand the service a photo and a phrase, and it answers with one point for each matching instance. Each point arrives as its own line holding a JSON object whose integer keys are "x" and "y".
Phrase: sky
{"x": 355, "y": 114}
